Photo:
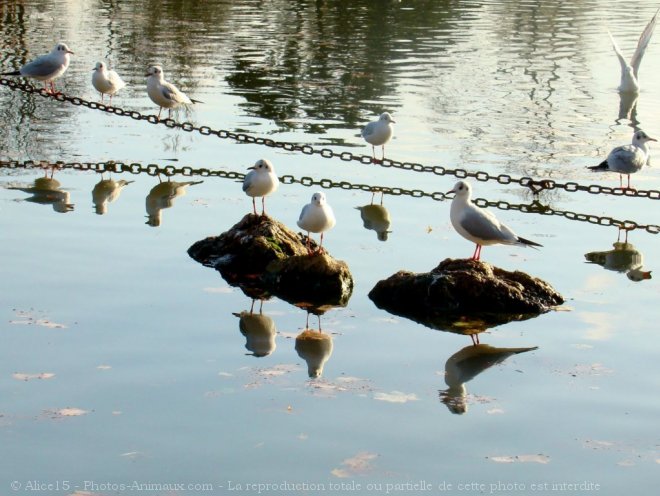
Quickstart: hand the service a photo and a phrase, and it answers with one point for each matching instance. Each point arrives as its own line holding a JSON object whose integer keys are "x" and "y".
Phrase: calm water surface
{"x": 122, "y": 359}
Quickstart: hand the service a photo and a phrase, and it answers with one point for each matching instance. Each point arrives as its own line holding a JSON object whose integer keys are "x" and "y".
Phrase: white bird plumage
{"x": 46, "y": 68}
{"x": 163, "y": 93}
{"x": 630, "y": 71}
{"x": 106, "y": 81}
{"x": 379, "y": 133}
{"x": 317, "y": 217}
{"x": 479, "y": 225}
{"x": 260, "y": 181}
{"x": 628, "y": 159}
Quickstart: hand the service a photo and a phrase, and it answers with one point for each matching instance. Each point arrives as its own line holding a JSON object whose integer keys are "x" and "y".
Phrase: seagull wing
{"x": 303, "y": 213}
{"x": 643, "y": 42}
{"x": 115, "y": 80}
{"x": 619, "y": 55}
{"x": 482, "y": 224}
{"x": 41, "y": 67}
{"x": 173, "y": 94}
{"x": 369, "y": 129}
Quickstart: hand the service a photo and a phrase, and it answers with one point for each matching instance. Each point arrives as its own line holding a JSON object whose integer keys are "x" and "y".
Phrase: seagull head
{"x": 461, "y": 189}
{"x": 155, "y": 71}
{"x": 100, "y": 66}
{"x": 386, "y": 117}
{"x": 640, "y": 137}
{"x": 62, "y": 49}
{"x": 264, "y": 166}
{"x": 318, "y": 198}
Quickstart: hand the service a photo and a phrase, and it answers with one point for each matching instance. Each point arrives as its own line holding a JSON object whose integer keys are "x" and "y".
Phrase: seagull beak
{"x": 71, "y": 52}
{"x": 251, "y": 167}
{"x": 652, "y": 139}
{"x": 147, "y": 75}
{"x": 450, "y": 191}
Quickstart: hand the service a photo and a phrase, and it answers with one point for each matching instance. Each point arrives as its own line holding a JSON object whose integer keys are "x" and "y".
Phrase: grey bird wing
{"x": 369, "y": 129}
{"x": 484, "y": 225}
{"x": 625, "y": 159}
{"x": 619, "y": 55}
{"x": 643, "y": 42}
{"x": 303, "y": 213}
{"x": 247, "y": 181}
{"x": 172, "y": 93}
{"x": 40, "y": 67}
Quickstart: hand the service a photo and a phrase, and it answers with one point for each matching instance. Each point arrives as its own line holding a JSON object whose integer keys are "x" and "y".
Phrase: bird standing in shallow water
{"x": 630, "y": 72}
{"x": 165, "y": 94}
{"x": 317, "y": 217}
{"x": 627, "y": 159}
{"x": 47, "y": 67}
{"x": 260, "y": 181}
{"x": 479, "y": 225}
{"x": 379, "y": 133}
{"x": 106, "y": 82}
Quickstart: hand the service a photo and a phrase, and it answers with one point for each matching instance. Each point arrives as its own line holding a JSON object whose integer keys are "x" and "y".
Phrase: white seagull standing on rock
{"x": 627, "y": 159}
{"x": 106, "y": 82}
{"x": 317, "y": 217}
{"x": 378, "y": 133}
{"x": 260, "y": 181}
{"x": 165, "y": 94}
{"x": 47, "y": 67}
{"x": 479, "y": 225}
{"x": 630, "y": 71}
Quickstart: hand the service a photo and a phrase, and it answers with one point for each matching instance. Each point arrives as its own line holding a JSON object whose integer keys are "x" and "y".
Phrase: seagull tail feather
{"x": 14, "y": 73}
{"x": 600, "y": 167}
{"x": 527, "y": 242}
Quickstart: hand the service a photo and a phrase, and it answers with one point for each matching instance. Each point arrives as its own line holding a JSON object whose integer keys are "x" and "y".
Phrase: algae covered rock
{"x": 464, "y": 295}
{"x": 264, "y": 257}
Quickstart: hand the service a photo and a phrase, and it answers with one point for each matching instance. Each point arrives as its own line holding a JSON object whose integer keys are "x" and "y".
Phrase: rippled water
{"x": 122, "y": 359}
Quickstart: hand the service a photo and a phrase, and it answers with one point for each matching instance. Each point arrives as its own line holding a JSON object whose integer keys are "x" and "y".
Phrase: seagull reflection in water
{"x": 162, "y": 196}
{"x": 47, "y": 191}
{"x": 465, "y": 365}
{"x": 376, "y": 218}
{"x": 259, "y": 331}
{"x": 624, "y": 258}
{"x": 107, "y": 191}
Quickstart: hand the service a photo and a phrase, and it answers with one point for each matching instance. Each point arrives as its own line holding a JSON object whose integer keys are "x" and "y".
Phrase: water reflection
{"x": 47, "y": 191}
{"x": 624, "y": 258}
{"x": 162, "y": 196}
{"x": 376, "y": 218}
{"x": 465, "y": 365}
{"x": 259, "y": 331}
{"x": 628, "y": 108}
{"x": 315, "y": 347}
{"x": 107, "y": 191}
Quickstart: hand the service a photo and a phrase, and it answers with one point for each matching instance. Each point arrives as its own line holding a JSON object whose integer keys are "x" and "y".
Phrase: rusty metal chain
{"x": 187, "y": 171}
{"x": 535, "y": 185}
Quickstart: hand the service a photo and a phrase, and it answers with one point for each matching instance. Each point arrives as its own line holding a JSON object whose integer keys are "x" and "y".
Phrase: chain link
{"x": 170, "y": 170}
{"x": 535, "y": 185}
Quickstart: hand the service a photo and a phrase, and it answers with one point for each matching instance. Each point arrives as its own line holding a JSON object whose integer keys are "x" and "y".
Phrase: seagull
{"x": 106, "y": 82}
{"x": 627, "y": 159}
{"x": 378, "y": 133}
{"x": 165, "y": 94}
{"x": 260, "y": 181}
{"x": 479, "y": 225}
{"x": 316, "y": 217}
{"x": 47, "y": 67}
{"x": 630, "y": 72}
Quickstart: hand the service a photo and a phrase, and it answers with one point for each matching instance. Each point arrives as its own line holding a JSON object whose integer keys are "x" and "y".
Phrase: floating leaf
{"x": 20, "y": 376}
{"x": 521, "y": 458}
{"x": 359, "y": 464}
{"x": 396, "y": 397}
